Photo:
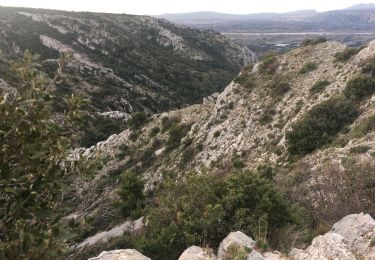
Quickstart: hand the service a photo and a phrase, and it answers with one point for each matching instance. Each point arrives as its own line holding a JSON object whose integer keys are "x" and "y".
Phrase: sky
{"x": 154, "y": 7}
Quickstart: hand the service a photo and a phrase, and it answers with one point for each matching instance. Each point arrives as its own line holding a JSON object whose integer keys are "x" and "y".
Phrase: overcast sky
{"x": 154, "y": 7}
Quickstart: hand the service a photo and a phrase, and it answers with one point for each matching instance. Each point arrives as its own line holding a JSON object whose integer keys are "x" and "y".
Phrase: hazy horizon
{"x": 149, "y": 7}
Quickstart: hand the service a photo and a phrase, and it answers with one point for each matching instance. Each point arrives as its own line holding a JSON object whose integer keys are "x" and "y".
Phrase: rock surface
{"x": 350, "y": 237}
{"x": 329, "y": 246}
{"x": 196, "y": 253}
{"x": 359, "y": 230}
{"x": 126, "y": 254}
{"x": 102, "y": 237}
{"x": 238, "y": 239}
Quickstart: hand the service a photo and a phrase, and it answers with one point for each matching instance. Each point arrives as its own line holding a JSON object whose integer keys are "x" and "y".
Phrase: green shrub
{"x": 368, "y": 67}
{"x": 131, "y": 198}
{"x": 299, "y": 106}
{"x": 167, "y": 122}
{"x": 245, "y": 81}
{"x": 360, "y": 149}
{"x": 206, "y": 208}
{"x": 175, "y": 133}
{"x": 96, "y": 128}
{"x": 154, "y": 131}
{"x": 238, "y": 163}
{"x": 315, "y": 41}
{"x": 269, "y": 63}
{"x": 123, "y": 151}
{"x": 319, "y": 86}
{"x": 320, "y": 125}
{"x": 362, "y": 128}
{"x": 137, "y": 120}
{"x": 308, "y": 67}
{"x": 33, "y": 175}
{"x": 188, "y": 155}
{"x": 236, "y": 252}
{"x": 346, "y": 54}
{"x": 359, "y": 88}
{"x": 279, "y": 88}
{"x": 217, "y": 134}
{"x": 267, "y": 115}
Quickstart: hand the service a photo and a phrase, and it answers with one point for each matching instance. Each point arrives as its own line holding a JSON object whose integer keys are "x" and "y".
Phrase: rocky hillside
{"x": 308, "y": 114}
{"x": 122, "y": 63}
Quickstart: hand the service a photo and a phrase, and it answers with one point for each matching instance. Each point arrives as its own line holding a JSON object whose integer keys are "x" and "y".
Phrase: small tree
{"x": 137, "y": 120}
{"x": 359, "y": 88}
{"x": 131, "y": 195}
{"x": 32, "y": 169}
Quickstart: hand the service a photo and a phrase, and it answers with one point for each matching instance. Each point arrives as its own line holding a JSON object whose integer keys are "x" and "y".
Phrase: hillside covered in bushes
{"x": 284, "y": 152}
{"x": 121, "y": 63}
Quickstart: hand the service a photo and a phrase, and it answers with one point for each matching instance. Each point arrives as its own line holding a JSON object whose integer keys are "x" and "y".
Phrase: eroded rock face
{"x": 124, "y": 254}
{"x": 350, "y": 237}
{"x": 329, "y": 246}
{"x": 359, "y": 230}
{"x": 196, "y": 253}
{"x": 238, "y": 239}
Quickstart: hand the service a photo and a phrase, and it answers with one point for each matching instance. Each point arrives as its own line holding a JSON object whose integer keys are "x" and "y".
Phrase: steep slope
{"x": 251, "y": 124}
{"x": 124, "y": 63}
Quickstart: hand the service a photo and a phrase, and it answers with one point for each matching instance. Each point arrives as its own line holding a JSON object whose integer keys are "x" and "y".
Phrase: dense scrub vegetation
{"x": 131, "y": 198}
{"x": 351, "y": 184}
{"x": 137, "y": 120}
{"x": 279, "y": 87}
{"x": 360, "y": 87}
{"x": 368, "y": 67}
{"x": 320, "y": 125}
{"x": 150, "y": 74}
{"x": 203, "y": 209}
{"x": 308, "y": 67}
{"x": 269, "y": 63}
{"x": 245, "y": 81}
{"x": 32, "y": 169}
{"x": 346, "y": 54}
{"x": 94, "y": 129}
{"x": 315, "y": 41}
{"x": 319, "y": 86}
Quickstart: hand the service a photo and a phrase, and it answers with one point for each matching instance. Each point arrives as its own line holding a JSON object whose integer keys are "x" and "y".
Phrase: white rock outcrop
{"x": 102, "y": 237}
{"x": 196, "y": 253}
{"x": 329, "y": 246}
{"x": 359, "y": 230}
{"x": 238, "y": 239}
{"x": 124, "y": 254}
{"x": 350, "y": 238}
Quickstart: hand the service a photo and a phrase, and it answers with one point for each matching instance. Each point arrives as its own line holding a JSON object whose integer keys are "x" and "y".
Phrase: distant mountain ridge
{"x": 220, "y": 17}
{"x": 356, "y": 18}
{"x": 361, "y": 6}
